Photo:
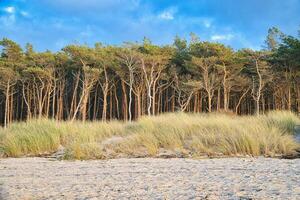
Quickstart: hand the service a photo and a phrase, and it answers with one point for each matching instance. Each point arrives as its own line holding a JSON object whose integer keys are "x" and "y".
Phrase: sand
{"x": 146, "y": 178}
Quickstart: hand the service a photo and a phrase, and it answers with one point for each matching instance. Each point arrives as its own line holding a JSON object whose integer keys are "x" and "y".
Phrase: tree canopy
{"x": 125, "y": 82}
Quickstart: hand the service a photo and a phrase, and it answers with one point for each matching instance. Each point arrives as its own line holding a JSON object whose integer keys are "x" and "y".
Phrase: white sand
{"x": 228, "y": 178}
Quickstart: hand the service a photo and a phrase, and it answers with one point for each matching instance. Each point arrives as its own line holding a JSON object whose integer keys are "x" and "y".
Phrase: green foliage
{"x": 11, "y": 50}
{"x": 288, "y": 52}
{"x": 117, "y": 81}
{"x": 274, "y": 38}
{"x": 36, "y": 73}
{"x": 7, "y": 75}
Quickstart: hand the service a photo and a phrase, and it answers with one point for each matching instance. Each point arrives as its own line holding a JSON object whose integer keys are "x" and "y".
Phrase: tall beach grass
{"x": 190, "y": 135}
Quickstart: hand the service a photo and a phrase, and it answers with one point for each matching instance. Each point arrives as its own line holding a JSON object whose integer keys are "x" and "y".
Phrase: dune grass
{"x": 189, "y": 134}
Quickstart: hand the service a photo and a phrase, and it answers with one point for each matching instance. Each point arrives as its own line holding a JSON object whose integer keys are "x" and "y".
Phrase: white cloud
{"x": 219, "y": 37}
{"x": 168, "y": 14}
{"x": 24, "y": 13}
{"x": 8, "y": 19}
{"x": 207, "y": 23}
{"x": 10, "y": 9}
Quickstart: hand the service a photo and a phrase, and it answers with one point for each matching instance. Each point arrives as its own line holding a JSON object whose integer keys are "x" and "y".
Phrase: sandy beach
{"x": 146, "y": 178}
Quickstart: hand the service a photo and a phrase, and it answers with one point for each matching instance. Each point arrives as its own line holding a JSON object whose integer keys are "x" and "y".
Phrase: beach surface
{"x": 150, "y": 178}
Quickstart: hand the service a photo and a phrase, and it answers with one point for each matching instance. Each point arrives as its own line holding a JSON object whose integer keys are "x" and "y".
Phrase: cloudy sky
{"x": 51, "y": 24}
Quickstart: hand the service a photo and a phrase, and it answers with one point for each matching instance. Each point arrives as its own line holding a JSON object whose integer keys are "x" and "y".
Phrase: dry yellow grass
{"x": 193, "y": 134}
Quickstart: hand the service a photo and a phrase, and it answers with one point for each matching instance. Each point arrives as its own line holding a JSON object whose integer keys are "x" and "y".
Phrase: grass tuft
{"x": 189, "y": 134}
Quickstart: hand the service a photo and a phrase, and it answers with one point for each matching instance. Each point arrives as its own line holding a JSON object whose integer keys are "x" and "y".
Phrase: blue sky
{"x": 52, "y": 24}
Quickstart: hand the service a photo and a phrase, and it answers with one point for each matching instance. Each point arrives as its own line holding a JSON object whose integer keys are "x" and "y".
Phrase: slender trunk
{"x": 225, "y": 98}
{"x": 54, "y": 100}
{"x": 195, "y": 102}
{"x": 209, "y": 99}
{"x": 158, "y": 102}
{"x": 110, "y": 105}
{"x": 84, "y": 106}
{"x": 259, "y": 88}
{"x": 78, "y": 106}
{"x": 95, "y": 104}
{"x": 130, "y": 95}
{"x": 6, "y": 114}
{"x": 263, "y": 104}
{"x": 138, "y": 95}
{"x": 61, "y": 100}
{"x": 149, "y": 100}
{"x": 124, "y": 102}
{"x": 117, "y": 103}
{"x": 48, "y": 102}
{"x": 200, "y": 102}
{"x": 74, "y": 96}
{"x": 105, "y": 94}
{"x": 173, "y": 101}
{"x": 219, "y": 99}
{"x": 289, "y": 99}
{"x": 240, "y": 100}
{"x": 104, "y": 109}
{"x": 153, "y": 99}
{"x": 27, "y": 100}
{"x": 11, "y": 113}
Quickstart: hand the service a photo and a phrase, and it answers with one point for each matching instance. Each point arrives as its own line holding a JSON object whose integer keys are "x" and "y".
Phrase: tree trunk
{"x": 225, "y": 97}
{"x": 124, "y": 102}
{"x": 240, "y": 100}
{"x": 74, "y": 96}
{"x": 219, "y": 99}
{"x": 138, "y": 95}
{"x": 117, "y": 103}
{"x": 6, "y": 114}
{"x": 209, "y": 99}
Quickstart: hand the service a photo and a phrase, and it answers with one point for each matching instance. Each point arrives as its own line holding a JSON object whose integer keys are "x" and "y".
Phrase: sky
{"x": 53, "y": 24}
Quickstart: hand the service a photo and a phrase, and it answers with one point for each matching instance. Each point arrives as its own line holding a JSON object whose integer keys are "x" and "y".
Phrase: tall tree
{"x": 259, "y": 71}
